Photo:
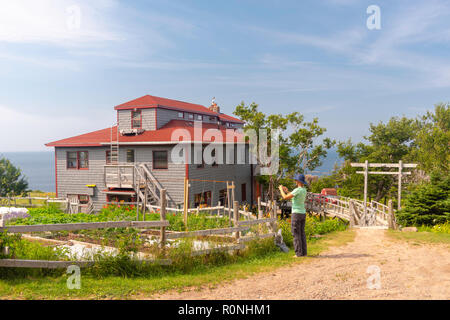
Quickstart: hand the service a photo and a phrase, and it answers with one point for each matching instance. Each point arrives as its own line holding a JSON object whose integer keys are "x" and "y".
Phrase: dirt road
{"x": 407, "y": 271}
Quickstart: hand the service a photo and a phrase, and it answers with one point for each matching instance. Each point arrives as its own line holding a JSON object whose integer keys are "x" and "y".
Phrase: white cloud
{"x": 20, "y": 131}
{"x": 394, "y": 46}
{"x": 62, "y": 22}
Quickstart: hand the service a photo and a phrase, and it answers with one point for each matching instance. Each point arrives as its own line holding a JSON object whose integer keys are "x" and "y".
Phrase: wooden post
{"x": 273, "y": 225}
{"x": 137, "y": 205}
{"x": 228, "y": 206}
{"x": 29, "y": 201}
{"x": 351, "y": 212}
{"x": 260, "y": 214}
{"x": 218, "y": 209}
{"x": 400, "y": 169}
{"x": 366, "y": 178}
{"x": 163, "y": 217}
{"x": 145, "y": 199}
{"x": 391, "y": 216}
{"x": 274, "y": 209}
{"x": 186, "y": 201}
{"x": 233, "y": 191}
{"x": 236, "y": 218}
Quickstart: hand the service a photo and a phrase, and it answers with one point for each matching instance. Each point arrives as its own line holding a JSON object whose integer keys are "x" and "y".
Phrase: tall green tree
{"x": 433, "y": 140}
{"x": 387, "y": 143}
{"x": 12, "y": 182}
{"x": 299, "y": 148}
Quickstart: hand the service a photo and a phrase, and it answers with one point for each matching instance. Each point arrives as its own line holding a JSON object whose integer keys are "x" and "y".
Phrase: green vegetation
{"x": 438, "y": 228}
{"x": 129, "y": 242}
{"x": 424, "y": 140}
{"x": 433, "y": 140}
{"x": 52, "y": 214}
{"x": 124, "y": 287}
{"x": 12, "y": 182}
{"x": 298, "y": 150}
{"x": 428, "y": 204}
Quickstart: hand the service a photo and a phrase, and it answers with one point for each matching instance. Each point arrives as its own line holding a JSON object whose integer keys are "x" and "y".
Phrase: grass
{"x": 139, "y": 287}
{"x": 420, "y": 237}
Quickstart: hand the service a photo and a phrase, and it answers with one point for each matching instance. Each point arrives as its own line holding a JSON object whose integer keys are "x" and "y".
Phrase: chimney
{"x": 214, "y": 107}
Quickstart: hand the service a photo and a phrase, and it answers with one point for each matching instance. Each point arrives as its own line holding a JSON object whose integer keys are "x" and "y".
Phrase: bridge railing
{"x": 376, "y": 213}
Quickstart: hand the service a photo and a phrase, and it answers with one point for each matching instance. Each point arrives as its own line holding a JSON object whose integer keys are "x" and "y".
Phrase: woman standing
{"x": 298, "y": 216}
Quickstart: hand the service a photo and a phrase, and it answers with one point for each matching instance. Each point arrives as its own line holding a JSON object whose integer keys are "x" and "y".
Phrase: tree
{"x": 428, "y": 204}
{"x": 298, "y": 147}
{"x": 11, "y": 180}
{"x": 388, "y": 142}
{"x": 433, "y": 140}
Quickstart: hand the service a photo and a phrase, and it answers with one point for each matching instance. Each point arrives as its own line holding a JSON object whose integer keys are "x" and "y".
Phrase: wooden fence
{"x": 238, "y": 242}
{"x": 31, "y": 202}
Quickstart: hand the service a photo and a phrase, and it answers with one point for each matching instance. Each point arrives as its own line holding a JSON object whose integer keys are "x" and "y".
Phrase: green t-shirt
{"x": 298, "y": 201}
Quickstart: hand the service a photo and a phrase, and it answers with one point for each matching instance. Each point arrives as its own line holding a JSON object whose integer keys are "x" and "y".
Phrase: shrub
{"x": 438, "y": 228}
{"x": 428, "y": 205}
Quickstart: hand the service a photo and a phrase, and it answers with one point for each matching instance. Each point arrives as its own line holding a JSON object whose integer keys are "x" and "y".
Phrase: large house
{"x": 134, "y": 160}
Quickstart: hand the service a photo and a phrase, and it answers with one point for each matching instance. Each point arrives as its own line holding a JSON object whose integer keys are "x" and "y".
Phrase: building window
{"x": 77, "y": 160}
{"x": 213, "y": 154}
{"x": 202, "y": 199}
{"x": 83, "y": 160}
{"x": 190, "y": 116}
{"x": 160, "y": 160}
{"x": 199, "y": 159}
{"x": 223, "y": 197}
{"x": 130, "y": 155}
{"x": 199, "y": 117}
{"x": 72, "y": 159}
{"x": 108, "y": 156}
{"x": 84, "y": 199}
{"x": 244, "y": 192}
{"x": 136, "y": 119}
{"x": 181, "y": 115}
{"x": 212, "y": 119}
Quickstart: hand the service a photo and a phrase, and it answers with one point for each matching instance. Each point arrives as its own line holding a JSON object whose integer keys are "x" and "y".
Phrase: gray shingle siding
{"x": 73, "y": 181}
{"x": 239, "y": 173}
{"x": 148, "y": 119}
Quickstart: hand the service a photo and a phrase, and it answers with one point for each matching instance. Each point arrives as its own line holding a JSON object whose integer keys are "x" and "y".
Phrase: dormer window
{"x": 199, "y": 117}
{"x": 136, "y": 119}
{"x": 190, "y": 116}
{"x": 181, "y": 115}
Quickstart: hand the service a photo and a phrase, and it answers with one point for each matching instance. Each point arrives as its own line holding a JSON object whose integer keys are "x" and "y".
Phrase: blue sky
{"x": 60, "y": 79}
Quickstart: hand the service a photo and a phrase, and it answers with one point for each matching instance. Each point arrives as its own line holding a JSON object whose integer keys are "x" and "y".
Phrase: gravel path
{"x": 407, "y": 271}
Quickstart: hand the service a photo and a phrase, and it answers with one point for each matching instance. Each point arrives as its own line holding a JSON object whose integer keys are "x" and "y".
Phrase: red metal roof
{"x": 225, "y": 117}
{"x": 162, "y": 135}
{"x": 149, "y": 101}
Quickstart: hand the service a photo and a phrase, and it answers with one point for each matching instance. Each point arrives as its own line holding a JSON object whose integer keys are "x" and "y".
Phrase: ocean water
{"x": 39, "y": 167}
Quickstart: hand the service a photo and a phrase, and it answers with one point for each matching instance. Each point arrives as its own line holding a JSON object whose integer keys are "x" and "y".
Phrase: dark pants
{"x": 298, "y": 231}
